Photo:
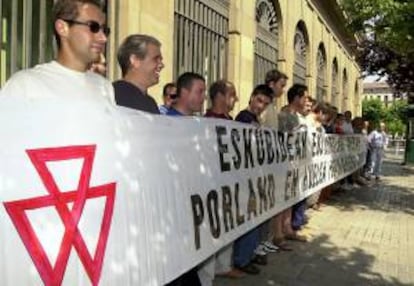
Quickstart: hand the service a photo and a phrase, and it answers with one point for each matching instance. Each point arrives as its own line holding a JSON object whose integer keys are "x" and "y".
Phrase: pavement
{"x": 360, "y": 237}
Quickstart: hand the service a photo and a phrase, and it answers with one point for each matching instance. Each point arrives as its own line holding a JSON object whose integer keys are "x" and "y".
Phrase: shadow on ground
{"x": 383, "y": 195}
{"x": 320, "y": 262}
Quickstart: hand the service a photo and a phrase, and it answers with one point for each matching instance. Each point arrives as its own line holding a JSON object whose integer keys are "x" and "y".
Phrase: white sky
{"x": 374, "y": 78}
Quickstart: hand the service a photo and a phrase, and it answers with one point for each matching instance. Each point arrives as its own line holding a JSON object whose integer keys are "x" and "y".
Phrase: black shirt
{"x": 247, "y": 117}
{"x": 128, "y": 95}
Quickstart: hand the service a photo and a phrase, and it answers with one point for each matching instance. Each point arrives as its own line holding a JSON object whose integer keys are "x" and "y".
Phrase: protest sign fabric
{"x": 91, "y": 194}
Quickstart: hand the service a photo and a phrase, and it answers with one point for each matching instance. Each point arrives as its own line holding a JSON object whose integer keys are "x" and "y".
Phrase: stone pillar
{"x": 242, "y": 32}
{"x": 144, "y": 17}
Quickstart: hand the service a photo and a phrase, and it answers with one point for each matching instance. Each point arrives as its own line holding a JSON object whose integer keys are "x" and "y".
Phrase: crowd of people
{"x": 81, "y": 35}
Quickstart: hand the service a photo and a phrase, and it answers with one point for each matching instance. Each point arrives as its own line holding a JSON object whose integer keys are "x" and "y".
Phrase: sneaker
{"x": 260, "y": 250}
{"x": 269, "y": 247}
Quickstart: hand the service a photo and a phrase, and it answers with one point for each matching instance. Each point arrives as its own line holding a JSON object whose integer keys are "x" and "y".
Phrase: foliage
{"x": 373, "y": 111}
{"x": 394, "y": 116}
{"x": 385, "y": 29}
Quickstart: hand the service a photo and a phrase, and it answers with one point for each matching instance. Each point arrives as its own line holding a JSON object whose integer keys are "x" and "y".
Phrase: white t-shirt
{"x": 269, "y": 117}
{"x": 378, "y": 139}
{"x": 347, "y": 127}
{"x": 53, "y": 80}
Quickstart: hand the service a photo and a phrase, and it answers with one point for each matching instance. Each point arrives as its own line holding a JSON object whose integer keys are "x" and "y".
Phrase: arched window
{"x": 344, "y": 91}
{"x": 266, "y": 43}
{"x": 334, "y": 86}
{"x": 321, "y": 92}
{"x": 357, "y": 99}
{"x": 201, "y": 38}
{"x": 301, "y": 50}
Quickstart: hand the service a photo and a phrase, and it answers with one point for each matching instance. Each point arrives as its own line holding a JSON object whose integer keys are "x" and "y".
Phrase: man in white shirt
{"x": 347, "y": 125}
{"x": 81, "y": 35}
{"x": 377, "y": 141}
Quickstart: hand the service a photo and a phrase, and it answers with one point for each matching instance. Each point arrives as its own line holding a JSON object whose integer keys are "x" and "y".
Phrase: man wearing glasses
{"x": 81, "y": 35}
{"x": 169, "y": 96}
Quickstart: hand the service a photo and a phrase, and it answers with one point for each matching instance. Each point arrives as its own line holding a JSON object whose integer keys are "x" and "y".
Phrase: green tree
{"x": 373, "y": 110}
{"x": 385, "y": 32}
{"x": 397, "y": 111}
{"x": 394, "y": 117}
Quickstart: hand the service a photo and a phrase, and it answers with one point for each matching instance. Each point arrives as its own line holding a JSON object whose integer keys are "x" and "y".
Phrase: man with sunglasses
{"x": 81, "y": 35}
{"x": 169, "y": 96}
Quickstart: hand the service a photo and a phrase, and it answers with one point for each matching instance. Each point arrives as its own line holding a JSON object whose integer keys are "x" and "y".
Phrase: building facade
{"x": 239, "y": 40}
{"x": 381, "y": 91}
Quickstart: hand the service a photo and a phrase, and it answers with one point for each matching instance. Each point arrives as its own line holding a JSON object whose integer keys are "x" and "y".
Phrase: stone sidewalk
{"x": 361, "y": 237}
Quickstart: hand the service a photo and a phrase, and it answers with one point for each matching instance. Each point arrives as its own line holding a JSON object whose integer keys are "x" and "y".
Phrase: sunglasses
{"x": 94, "y": 26}
{"x": 173, "y": 96}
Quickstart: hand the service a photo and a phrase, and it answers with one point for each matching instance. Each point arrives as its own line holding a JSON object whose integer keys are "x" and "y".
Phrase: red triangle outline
{"x": 70, "y": 218}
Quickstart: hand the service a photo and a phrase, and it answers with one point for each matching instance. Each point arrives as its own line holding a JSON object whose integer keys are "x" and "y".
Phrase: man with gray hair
{"x": 140, "y": 59}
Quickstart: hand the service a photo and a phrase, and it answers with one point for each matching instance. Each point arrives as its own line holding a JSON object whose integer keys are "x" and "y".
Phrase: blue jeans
{"x": 243, "y": 251}
{"x": 298, "y": 215}
{"x": 377, "y": 154}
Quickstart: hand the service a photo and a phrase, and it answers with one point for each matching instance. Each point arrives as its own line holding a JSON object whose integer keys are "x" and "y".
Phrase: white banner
{"x": 93, "y": 194}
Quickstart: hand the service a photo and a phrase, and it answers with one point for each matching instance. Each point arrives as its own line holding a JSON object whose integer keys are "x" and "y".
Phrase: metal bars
{"x": 201, "y": 38}
{"x": 321, "y": 75}
{"x": 344, "y": 91}
{"x": 299, "y": 66}
{"x": 26, "y": 35}
{"x": 334, "y": 86}
{"x": 266, "y": 43}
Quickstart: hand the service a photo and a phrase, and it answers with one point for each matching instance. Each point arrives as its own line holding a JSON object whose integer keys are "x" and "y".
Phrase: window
{"x": 266, "y": 43}
{"x": 26, "y": 35}
{"x": 357, "y": 97}
{"x": 344, "y": 91}
{"x": 334, "y": 89}
{"x": 300, "y": 46}
{"x": 321, "y": 76}
{"x": 201, "y": 38}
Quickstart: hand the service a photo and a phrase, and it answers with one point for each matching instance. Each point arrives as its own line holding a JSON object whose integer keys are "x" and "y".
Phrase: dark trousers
{"x": 189, "y": 278}
{"x": 368, "y": 161}
{"x": 244, "y": 247}
{"x": 298, "y": 215}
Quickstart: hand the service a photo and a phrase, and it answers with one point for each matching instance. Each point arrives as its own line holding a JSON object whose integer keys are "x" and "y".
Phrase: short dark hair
{"x": 186, "y": 81}
{"x": 319, "y": 106}
{"x": 134, "y": 45}
{"x": 69, "y": 10}
{"x": 297, "y": 90}
{"x": 274, "y": 75}
{"x": 263, "y": 89}
{"x": 167, "y": 87}
{"x": 217, "y": 87}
